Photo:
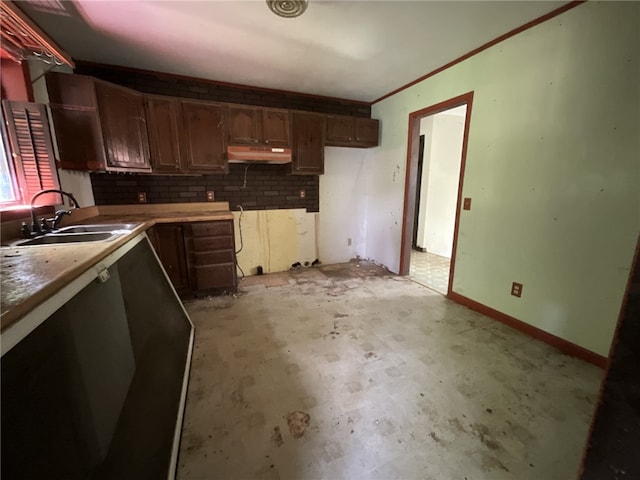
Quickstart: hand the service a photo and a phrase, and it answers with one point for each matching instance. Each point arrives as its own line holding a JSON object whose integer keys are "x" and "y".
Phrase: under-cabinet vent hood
{"x": 257, "y": 154}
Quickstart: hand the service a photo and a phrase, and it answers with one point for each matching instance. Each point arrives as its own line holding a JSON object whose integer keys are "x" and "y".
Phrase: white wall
{"x": 343, "y": 204}
{"x": 440, "y": 176}
{"x": 76, "y": 182}
{"x": 426, "y": 129}
{"x": 552, "y": 167}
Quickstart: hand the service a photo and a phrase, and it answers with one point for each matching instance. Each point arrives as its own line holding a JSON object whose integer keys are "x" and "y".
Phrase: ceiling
{"x": 358, "y": 50}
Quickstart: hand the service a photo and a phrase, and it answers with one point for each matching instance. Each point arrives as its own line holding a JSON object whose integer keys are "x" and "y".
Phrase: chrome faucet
{"x": 43, "y": 226}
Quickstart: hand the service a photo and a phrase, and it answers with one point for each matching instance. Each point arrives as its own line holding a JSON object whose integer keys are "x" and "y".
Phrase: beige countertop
{"x": 32, "y": 274}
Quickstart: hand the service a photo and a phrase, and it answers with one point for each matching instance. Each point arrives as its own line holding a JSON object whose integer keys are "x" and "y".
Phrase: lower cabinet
{"x": 168, "y": 241}
{"x": 211, "y": 255}
{"x": 198, "y": 257}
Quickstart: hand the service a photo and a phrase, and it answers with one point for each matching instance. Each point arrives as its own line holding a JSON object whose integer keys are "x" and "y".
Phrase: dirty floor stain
{"x": 349, "y": 372}
{"x": 298, "y": 423}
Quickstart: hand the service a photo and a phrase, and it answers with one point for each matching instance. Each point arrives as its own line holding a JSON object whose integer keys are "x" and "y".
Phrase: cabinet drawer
{"x": 212, "y": 229}
{"x": 205, "y": 244}
{"x": 215, "y": 276}
{"x": 213, "y": 258}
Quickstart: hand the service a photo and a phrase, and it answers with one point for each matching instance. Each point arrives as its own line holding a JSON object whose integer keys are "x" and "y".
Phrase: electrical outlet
{"x": 516, "y": 289}
{"x": 349, "y": 242}
{"x": 210, "y": 196}
{"x": 466, "y": 205}
{"x": 302, "y": 193}
{"x": 142, "y": 197}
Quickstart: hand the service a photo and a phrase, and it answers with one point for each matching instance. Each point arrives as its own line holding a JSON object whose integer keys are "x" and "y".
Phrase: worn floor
{"x": 430, "y": 270}
{"x": 349, "y": 372}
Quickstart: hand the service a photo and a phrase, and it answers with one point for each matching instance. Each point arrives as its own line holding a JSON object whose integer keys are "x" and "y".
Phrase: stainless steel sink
{"x": 106, "y": 227}
{"x": 81, "y": 233}
{"x": 53, "y": 238}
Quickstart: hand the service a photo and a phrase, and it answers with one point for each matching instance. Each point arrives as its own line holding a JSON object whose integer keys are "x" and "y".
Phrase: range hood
{"x": 258, "y": 154}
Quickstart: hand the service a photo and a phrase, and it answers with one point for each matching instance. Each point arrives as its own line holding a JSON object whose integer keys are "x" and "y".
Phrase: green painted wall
{"x": 553, "y": 167}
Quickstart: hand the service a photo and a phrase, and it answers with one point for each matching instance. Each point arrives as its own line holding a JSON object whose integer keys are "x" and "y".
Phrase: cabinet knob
{"x": 266, "y": 141}
{"x": 349, "y": 138}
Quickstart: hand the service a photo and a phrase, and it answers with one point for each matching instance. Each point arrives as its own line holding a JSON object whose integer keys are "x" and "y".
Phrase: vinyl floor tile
{"x": 347, "y": 371}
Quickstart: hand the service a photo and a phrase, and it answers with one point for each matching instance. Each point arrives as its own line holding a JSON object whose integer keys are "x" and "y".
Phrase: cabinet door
{"x": 275, "y": 128}
{"x": 162, "y": 125}
{"x": 168, "y": 240}
{"x": 340, "y": 130}
{"x": 308, "y": 144}
{"x": 203, "y": 126}
{"x": 79, "y": 138}
{"x": 71, "y": 90}
{"x": 72, "y": 100}
{"x": 367, "y": 132}
{"x": 243, "y": 126}
{"x": 123, "y": 128}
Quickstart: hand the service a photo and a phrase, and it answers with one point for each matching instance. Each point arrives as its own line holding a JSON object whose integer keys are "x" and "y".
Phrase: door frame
{"x": 416, "y": 214}
{"x": 411, "y": 178}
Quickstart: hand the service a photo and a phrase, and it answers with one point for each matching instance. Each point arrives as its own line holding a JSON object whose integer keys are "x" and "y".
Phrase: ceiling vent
{"x": 288, "y": 8}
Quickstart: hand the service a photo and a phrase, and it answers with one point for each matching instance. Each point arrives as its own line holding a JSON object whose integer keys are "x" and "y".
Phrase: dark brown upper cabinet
{"x": 123, "y": 127}
{"x": 203, "y": 134}
{"x": 99, "y": 126}
{"x": 163, "y": 122}
{"x": 186, "y": 136}
{"x": 258, "y": 126}
{"x": 308, "y": 143}
{"x": 275, "y": 127}
{"x": 343, "y": 131}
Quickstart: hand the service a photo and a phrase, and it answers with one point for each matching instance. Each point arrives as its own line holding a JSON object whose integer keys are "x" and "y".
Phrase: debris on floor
{"x": 298, "y": 423}
{"x": 389, "y": 398}
{"x": 276, "y": 437}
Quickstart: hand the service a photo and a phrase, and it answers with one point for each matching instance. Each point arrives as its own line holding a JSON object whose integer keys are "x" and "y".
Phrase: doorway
{"x": 435, "y": 172}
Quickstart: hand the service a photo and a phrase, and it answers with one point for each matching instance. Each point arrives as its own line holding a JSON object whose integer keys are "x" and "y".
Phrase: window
{"x": 27, "y": 164}
{"x": 8, "y": 188}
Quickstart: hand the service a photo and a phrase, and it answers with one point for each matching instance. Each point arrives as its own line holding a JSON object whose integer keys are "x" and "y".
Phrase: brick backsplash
{"x": 176, "y": 86}
{"x": 267, "y": 187}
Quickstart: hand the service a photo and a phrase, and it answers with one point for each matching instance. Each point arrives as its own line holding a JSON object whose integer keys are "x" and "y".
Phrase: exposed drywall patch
{"x": 274, "y": 239}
